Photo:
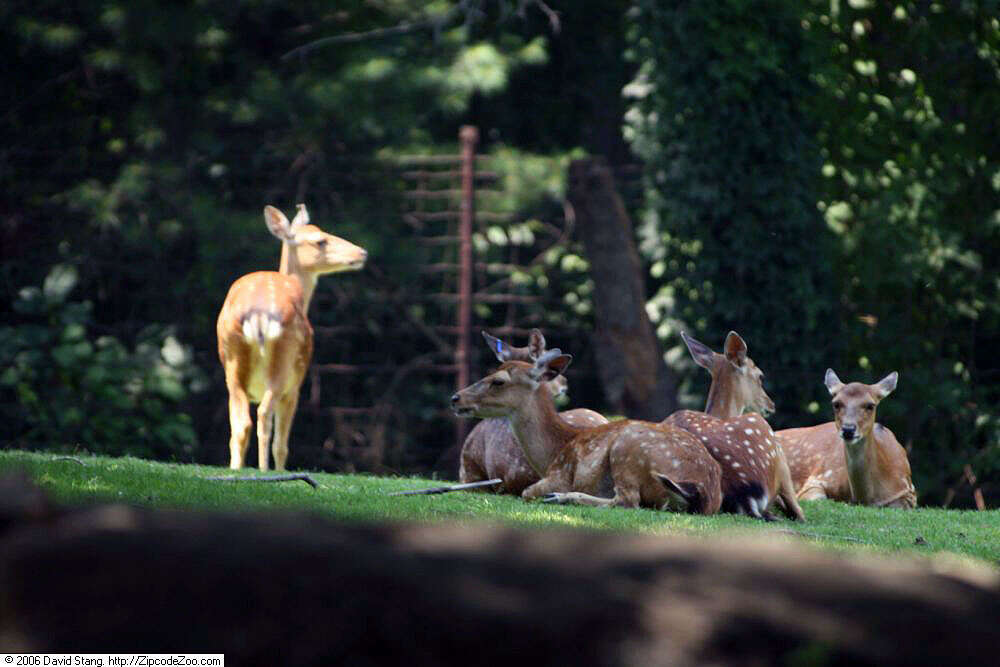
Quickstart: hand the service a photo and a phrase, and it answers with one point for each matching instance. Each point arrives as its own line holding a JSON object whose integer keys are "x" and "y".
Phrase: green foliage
{"x": 142, "y": 152}
{"x": 739, "y": 108}
{"x": 731, "y": 228}
{"x": 62, "y": 388}
{"x": 910, "y": 189}
{"x": 961, "y": 535}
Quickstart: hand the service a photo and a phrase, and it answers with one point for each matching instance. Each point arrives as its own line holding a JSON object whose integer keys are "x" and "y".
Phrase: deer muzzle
{"x": 459, "y": 409}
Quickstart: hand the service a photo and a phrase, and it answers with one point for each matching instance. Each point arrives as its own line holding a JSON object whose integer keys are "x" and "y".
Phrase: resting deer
{"x": 853, "y": 458}
{"x": 653, "y": 465}
{"x": 491, "y": 450}
{"x": 754, "y": 469}
{"x": 265, "y": 339}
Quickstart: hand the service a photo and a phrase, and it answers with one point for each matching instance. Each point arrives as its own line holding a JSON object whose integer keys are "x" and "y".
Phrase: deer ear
{"x": 500, "y": 349}
{"x": 556, "y": 367}
{"x": 301, "y": 217}
{"x": 736, "y": 349}
{"x": 277, "y": 223}
{"x": 701, "y": 353}
{"x": 886, "y": 385}
{"x": 832, "y": 382}
{"x": 550, "y": 365}
{"x": 536, "y": 344}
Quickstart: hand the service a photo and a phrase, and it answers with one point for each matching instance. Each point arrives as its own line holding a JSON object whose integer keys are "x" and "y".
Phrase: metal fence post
{"x": 468, "y": 136}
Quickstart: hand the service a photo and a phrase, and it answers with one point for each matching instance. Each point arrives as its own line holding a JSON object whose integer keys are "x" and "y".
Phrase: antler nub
{"x": 301, "y": 216}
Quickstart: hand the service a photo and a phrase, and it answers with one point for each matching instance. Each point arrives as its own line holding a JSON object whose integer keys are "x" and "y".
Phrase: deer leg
{"x": 284, "y": 413}
{"x": 239, "y": 426}
{"x": 811, "y": 490}
{"x": 239, "y": 418}
{"x": 786, "y": 490}
{"x": 630, "y": 498}
{"x": 593, "y": 468}
{"x": 265, "y": 414}
{"x": 544, "y": 487}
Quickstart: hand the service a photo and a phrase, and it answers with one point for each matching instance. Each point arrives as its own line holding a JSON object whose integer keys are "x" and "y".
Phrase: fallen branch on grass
{"x": 446, "y": 489}
{"x": 294, "y": 477}
{"x": 69, "y": 458}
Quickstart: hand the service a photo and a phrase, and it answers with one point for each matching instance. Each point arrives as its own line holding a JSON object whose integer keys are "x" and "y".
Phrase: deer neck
{"x": 861, "y": 464}
{"x": 290, "y": 266}
{"x": 539, "y": 430}
{"x": 721, "y": 402}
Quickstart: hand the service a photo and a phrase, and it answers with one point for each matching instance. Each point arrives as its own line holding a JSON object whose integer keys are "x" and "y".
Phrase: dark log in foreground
{"x": 297, "y": 590}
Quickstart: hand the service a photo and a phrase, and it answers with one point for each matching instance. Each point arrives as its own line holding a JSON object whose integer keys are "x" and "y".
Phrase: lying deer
{"x": 853, "y": 458}
{"x": 754, "y": 469}
{"x": 652, "y": 465}
{"x": 491, "y": 450}
{"x": 265, "y": 339}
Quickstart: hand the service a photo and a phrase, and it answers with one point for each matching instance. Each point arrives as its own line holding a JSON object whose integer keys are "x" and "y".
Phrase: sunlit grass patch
{"x": 829, "y": 525}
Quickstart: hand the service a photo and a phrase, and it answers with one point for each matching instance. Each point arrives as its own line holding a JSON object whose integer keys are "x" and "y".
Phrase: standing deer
{"x": 853, "y": 458}
{"x": 754, "y": 469}
{"x": 265, "y": 339}
{"x": 491, "y": 450}
{"x": 641, "y": 463}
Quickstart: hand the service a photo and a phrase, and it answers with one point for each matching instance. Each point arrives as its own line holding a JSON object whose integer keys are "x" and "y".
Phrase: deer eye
{"x": 321, "y": 244}
{"x": 869, "y": 407}
{"x": 497, "y": 382}
{"x": 837, "y": 405}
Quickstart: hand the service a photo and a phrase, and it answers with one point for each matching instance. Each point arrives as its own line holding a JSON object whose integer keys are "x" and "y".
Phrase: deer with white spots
{"x": 754, "y": 469}
{"x": 853, "y": 458}
{"x": 491, "y": 449}
{"x": 636, "y": 463}
{"x": 265, "y": 339}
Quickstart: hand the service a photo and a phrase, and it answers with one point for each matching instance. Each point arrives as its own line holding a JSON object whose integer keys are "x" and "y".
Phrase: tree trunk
{"x": 636, "y": 380}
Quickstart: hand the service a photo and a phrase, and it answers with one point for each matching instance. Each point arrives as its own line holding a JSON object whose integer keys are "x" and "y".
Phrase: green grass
{"x": 830, "y": 525}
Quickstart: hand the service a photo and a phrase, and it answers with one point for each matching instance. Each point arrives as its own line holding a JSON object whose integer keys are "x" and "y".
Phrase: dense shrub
{"x": 732, "y": 165}
{"x": 64, "y": 388}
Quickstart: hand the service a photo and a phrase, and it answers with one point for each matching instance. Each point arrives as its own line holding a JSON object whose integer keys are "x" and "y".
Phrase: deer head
{"x": 737, "y": 383}
{"x": 534, "y": 350}
{"x": 307, "y": 249}
{"x": 854, "y": 404}
{"x": 505, "y": 390}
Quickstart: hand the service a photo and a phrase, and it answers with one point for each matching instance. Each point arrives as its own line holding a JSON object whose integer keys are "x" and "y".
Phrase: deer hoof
{"x": 553, "y": 498}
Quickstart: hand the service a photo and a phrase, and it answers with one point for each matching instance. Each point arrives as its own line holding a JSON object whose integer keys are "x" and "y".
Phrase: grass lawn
{"x": 364, "y": 498}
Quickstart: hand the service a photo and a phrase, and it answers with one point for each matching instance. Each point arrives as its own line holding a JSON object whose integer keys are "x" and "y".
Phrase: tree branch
{"x": 471, "y": 9}
{"x": 433, "y": 23}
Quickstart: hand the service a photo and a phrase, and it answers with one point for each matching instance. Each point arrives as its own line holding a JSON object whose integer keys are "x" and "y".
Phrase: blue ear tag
{"x": 499, "y": 347}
